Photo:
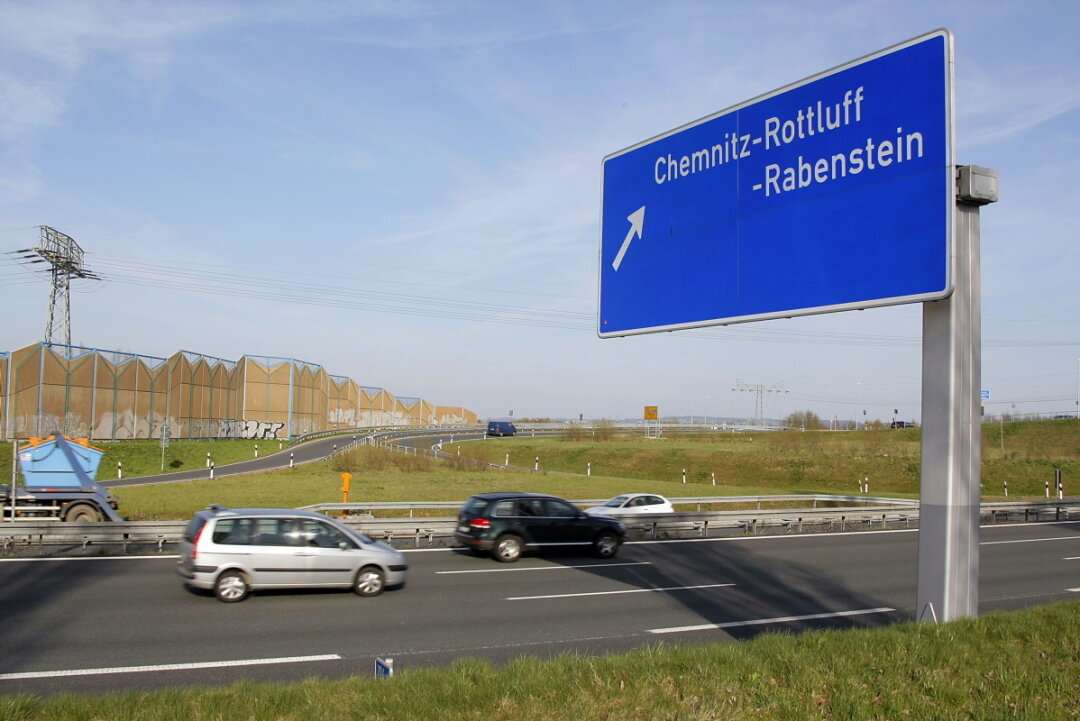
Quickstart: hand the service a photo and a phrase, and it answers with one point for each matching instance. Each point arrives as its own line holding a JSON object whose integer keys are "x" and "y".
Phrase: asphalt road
{"x": 126, "y": 624}
{"x": 315, "y": 450}
{"x": 308, "y": 452}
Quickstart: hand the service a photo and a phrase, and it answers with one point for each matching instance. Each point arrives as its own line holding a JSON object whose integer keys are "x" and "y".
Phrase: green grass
{"x": 378, "y": 475}
{"x": 744, "y": 464}
{"x": 801, "y": 462}
{"x": 144, "y": 458}
{"x": 1023, "y": 665}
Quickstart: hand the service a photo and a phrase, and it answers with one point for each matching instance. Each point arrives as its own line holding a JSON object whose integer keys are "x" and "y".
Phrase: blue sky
{"x": 408, "y": 193}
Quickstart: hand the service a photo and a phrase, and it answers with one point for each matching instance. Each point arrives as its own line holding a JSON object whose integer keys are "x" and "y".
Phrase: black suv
{"x": 505, "y": 524}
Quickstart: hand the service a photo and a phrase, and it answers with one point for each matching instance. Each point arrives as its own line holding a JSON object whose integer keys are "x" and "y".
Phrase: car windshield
{"x": 616, "y": 502}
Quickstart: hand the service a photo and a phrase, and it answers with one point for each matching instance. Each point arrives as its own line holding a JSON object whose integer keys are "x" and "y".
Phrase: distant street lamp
{"x": 858, "y": 384}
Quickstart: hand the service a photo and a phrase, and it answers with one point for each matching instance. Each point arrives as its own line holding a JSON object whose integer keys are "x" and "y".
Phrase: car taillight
{"x": 479, "y": 523}
{"x": 195, "y": 541}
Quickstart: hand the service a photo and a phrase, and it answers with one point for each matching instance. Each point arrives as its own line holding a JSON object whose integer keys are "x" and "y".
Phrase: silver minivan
{"x": 234, "y": 551}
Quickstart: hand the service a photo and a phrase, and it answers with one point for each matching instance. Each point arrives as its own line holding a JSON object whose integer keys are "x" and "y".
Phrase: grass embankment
{"x": 144, "y": 458}
{"x": 378, "y": 475}
{"x": 1023, "y": 665}
{"x": 799, "y": 462}
{"x": 744, "y": 464}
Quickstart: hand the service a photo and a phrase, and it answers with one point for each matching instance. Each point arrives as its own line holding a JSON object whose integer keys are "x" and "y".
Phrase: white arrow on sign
{"x": 637, "y": 223}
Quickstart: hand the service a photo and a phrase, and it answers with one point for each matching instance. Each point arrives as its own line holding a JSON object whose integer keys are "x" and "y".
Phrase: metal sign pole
{"x": 948, "y": 580}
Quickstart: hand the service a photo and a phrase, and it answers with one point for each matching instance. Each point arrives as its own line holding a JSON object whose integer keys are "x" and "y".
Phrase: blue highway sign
{"x": 833, "y": 193}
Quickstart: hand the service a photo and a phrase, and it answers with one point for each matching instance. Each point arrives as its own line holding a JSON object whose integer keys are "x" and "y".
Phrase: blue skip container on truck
{"x": 58, "y": 483}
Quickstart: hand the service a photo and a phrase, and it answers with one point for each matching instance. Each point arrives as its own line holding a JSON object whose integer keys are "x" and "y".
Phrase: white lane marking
{"x": 763, "y": 621}
{"x": 83, "y": 558}
{"x": 1073, "y": 590}
{"x": 779, "y": 537}
{"x": 616, "y": 593}
{"x": 1030, "y": 540}
{"x": 735, "y": 539}
{"x": 1071, "y": 558}
{"x": 545, "y": 568}
{"x": 167, "y": 667}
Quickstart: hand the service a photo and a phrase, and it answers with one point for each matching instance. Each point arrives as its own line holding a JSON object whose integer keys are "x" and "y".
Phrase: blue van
{"x": 501, "y": 428}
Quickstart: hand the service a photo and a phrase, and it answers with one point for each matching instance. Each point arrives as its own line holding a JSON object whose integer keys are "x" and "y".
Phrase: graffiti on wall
{"x": 343, "y": 416}
{"x": 249, "y": 430}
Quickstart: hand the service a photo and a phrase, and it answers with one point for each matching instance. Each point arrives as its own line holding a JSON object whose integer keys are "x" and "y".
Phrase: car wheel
{"x": 230, "y": 587}
{"x": 507, "y": 549}
{"x": 606, "y": 545}
{"x": 370, "y": 581}
{"x": 81, "y": 513}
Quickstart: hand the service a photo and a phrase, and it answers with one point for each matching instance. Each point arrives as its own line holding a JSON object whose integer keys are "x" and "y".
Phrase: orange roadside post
{"x": 345, "y": 478}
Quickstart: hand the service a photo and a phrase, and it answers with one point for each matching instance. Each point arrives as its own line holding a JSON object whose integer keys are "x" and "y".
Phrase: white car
{"x": 632, "y": 504}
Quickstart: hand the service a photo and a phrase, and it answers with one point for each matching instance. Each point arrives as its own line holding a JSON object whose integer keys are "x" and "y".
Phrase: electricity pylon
{"x": 65, "y": 259}
{"x": 759, "y": 389}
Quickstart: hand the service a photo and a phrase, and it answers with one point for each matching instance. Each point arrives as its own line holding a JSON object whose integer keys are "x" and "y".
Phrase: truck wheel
{"x": 82, "y": 513}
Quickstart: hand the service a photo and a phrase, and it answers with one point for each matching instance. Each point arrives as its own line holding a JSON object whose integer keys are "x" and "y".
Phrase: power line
{"x": 204, "y": 279}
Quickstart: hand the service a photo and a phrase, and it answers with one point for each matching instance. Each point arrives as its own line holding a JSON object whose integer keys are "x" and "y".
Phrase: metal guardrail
{"x": 42, "y": 537}
{"x": 812, "y": 499}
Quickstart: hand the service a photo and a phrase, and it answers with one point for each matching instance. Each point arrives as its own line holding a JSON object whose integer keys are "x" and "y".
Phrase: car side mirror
{"x": 342, "y": 545}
